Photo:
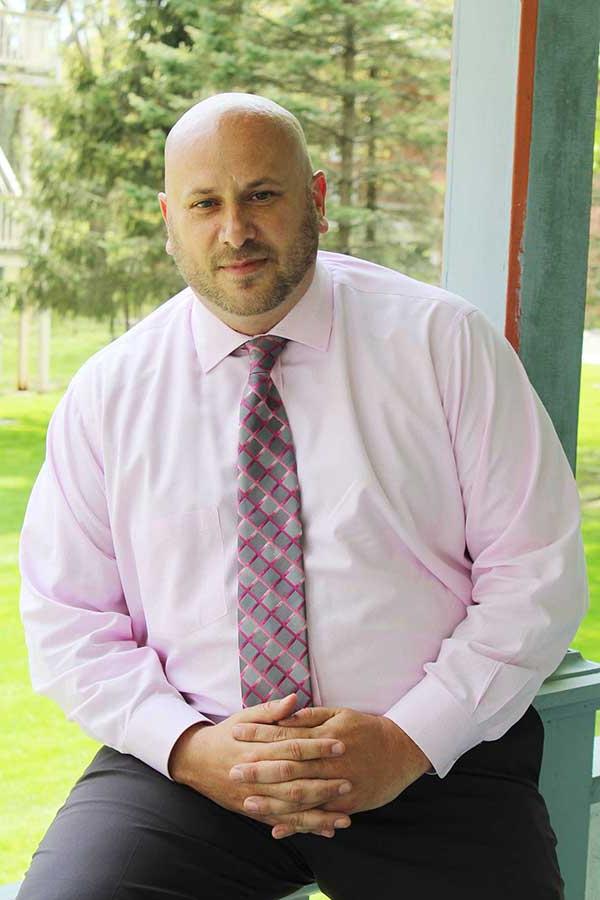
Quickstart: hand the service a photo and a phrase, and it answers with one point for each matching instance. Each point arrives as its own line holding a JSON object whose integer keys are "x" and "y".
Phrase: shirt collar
{"x": 308, "y": 322}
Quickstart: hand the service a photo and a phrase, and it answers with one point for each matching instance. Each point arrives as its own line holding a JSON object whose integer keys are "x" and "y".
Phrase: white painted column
{"x": 485, "y": 56}
{"x": 24, "y": 329}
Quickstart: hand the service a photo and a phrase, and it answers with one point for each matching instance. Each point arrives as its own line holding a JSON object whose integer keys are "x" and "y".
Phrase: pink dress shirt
{"x": 445, "y": 573}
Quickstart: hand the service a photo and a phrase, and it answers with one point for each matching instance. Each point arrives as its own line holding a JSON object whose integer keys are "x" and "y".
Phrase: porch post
{"x": 519, "y": 180}
{"x": 520, "y": 152}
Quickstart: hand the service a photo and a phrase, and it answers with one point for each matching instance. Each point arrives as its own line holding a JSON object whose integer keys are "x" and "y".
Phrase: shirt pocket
{"x": 182, "y": 576}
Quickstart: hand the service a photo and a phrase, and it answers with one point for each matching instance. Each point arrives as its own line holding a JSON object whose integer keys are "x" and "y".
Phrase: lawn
{"x": 41, "y": 754}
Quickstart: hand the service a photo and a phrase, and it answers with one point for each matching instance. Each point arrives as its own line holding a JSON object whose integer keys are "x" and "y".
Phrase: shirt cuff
{"x": 434, "y": 720}
{"x": 155, "y": 727}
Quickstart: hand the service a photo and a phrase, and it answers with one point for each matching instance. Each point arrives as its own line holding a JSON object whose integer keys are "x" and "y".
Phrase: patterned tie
{"x": 272, "y": 635}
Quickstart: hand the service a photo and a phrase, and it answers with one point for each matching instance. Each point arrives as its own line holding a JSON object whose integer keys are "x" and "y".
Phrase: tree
{"x": 91, "y": 232}
{"x": 370, "y": 85}
{"x": 368, "y": 80}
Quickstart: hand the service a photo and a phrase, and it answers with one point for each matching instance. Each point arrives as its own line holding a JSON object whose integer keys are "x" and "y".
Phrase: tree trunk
{"x": 348, "y": 131}
{"x": 371, "y": 163}
{"x": 44, "y": 324}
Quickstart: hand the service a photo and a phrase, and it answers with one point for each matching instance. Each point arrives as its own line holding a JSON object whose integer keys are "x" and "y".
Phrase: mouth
{"x": 244, "y": 267}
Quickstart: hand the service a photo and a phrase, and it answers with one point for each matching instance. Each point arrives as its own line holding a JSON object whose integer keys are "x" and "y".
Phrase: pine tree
{"x": 368, "y": 81}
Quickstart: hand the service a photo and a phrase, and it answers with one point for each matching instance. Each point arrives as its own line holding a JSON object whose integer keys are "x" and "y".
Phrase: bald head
{"x": 231, "y": 112}
{"x": 243, "y": 208}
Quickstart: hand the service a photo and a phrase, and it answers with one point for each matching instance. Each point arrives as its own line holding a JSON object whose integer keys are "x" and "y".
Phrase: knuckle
{"x": 295, "y": 821}
{"x": 295, "y": 749}
{"x": 287, "y": 771}
{"x": 321, "y": 822}
{"x": 296, "y": 793}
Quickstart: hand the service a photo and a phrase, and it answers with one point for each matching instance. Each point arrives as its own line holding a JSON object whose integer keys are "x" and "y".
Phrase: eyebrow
{"x": 247, "y": 187}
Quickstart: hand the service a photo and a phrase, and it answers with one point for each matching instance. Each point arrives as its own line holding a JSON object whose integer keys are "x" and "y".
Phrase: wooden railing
{"x": 28, "y": 42}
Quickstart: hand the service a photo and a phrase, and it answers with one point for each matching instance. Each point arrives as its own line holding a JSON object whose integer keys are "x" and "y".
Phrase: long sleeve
{"x": 77, "y": 626}
{"x": 522, "y": 533}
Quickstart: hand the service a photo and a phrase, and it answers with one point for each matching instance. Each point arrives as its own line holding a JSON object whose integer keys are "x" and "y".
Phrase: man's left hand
{"x": 380, "y": 760}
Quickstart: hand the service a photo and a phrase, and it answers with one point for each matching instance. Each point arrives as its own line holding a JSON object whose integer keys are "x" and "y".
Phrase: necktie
{"x": 272, "y": 634}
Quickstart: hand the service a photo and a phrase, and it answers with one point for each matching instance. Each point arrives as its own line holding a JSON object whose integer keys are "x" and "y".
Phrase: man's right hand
{"x": 203, "y": 756}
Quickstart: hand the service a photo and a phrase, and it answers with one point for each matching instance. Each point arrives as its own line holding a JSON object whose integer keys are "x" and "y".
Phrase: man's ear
{"x": 319, "y": 190}
{"x": 162, "y": 200}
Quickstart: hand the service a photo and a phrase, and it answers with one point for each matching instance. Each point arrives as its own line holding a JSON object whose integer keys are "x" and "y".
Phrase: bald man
{"x": 303, "y": 549}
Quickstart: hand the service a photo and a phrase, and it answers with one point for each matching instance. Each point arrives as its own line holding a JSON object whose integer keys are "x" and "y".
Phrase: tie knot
{"x": 264, "y": 350}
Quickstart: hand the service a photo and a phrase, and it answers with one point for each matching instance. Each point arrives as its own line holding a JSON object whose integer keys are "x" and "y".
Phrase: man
{"x": 304, "y": 482}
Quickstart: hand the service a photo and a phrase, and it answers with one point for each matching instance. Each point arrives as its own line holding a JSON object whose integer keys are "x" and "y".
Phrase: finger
{"x": 289, "y": 744}
{"x": 282, "y": 831}
{"x": 274, "y": 771}
{"x": 297, "y": 795}
{"x": 269, "y": 711}
{"x": 299, "y": 749}
{"x": 309, "y": 716}
{"x": 253, "y": 731}
{"x": 310, "y": 820}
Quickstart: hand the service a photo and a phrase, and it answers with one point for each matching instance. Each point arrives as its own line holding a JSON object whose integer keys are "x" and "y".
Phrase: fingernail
{"x": 337, "y": 749}
{"x": 237, "y": 774}
{"x": 251, "y": 804}
{"x": 341, "y": 823}
{"x": 344, "y": 789}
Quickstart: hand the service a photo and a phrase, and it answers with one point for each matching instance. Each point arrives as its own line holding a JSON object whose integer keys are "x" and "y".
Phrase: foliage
{"x": 368, "y": 80}
{"x": 370, "y": 86}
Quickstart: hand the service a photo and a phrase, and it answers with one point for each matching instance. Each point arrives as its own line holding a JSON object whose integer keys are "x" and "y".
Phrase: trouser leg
{"x": 128, "y": 833}
{"x": 483, "y": 831}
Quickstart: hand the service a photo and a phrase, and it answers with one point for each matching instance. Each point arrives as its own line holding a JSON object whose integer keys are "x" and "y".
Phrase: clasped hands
{"x": 288, "y": 774}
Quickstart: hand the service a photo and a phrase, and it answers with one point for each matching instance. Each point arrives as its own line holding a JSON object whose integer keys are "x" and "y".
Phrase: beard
{"x": 271, "y": 294}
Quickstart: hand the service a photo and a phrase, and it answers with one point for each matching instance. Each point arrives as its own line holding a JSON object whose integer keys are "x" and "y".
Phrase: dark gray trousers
{"x": 128, "y": 833}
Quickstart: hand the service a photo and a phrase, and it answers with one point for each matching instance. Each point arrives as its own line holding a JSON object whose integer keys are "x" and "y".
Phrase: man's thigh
{"x": 483, "y": 831}
{"x": 128, "y": 833}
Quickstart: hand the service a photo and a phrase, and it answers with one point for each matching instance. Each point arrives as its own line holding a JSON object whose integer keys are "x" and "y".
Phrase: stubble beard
{"x": 258, "y": 300}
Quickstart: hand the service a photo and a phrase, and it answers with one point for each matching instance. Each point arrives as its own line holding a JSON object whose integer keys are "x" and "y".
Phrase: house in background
{"x": 28, "y": 56}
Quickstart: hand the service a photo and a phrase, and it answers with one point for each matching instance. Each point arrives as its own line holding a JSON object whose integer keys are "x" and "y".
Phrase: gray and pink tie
{"x": 272, "y": 633}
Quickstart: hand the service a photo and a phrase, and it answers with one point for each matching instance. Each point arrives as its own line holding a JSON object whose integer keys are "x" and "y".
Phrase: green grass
{"x": 41, "y": 753}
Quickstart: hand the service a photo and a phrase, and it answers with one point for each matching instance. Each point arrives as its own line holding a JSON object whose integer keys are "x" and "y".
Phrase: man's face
{"x": 243, "y": 223}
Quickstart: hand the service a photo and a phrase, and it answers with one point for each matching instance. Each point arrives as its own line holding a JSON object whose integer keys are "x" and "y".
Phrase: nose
{"x": 236, "y": 227}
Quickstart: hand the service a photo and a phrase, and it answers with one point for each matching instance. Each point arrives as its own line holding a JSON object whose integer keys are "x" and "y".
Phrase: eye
{"x": 200, "y": 205}
{"x": 263, "y": 195}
